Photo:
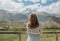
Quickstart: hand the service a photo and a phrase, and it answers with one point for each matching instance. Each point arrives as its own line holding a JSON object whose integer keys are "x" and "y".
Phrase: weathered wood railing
{"x": 19, "y": 33}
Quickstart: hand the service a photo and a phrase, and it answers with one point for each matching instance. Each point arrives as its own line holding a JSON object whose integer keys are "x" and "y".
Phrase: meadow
{"x": 20, "y": 26}
{"x": 13, "y": 37}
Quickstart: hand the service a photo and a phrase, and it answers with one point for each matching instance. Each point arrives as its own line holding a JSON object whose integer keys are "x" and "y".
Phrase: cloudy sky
{"x": 51, "y": 6}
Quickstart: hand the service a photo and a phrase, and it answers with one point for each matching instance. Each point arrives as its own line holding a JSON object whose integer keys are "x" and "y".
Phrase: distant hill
{"x": 5, "y": 15}
{"x": 10, "y": 16}
{"x": 56, "y": 19}
{"x": 18, "y": 16}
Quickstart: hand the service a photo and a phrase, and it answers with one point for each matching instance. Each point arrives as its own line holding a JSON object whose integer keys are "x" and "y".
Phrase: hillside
{"x": 18, "y": 16}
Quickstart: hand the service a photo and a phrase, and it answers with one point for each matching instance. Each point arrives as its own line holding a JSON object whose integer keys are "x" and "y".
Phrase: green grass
{"x": 8, "y": 37}
{"x": 44, "y": 37}
{"x": 17, "y": 27}
{"x": 15, "y": 37}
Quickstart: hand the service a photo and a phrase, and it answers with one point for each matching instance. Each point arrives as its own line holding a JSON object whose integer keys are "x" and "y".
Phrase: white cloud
{"x": 33, "y": 0}
{"x": 53, "y": 8}
{"x": 35, "y": 6}
{"x": 10, "y": 5}
{"x": 32, "y": 7}
{"x": 44, "y": 1}
{"x": 13, "y": 6}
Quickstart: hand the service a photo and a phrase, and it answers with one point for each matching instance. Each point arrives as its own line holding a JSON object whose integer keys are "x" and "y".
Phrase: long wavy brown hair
{"x": 33, "y": 21}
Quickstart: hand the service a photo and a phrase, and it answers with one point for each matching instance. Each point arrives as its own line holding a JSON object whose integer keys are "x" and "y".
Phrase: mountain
{"x": 28, "y": 11}
{"x": 11, "y": 16}
{"x": 18, "y": 16}
{"x": 21, "y": 17}
{"x": 42, "y": 16}
{"x": 5, "y": 15}
{"x": 56, "y": 19}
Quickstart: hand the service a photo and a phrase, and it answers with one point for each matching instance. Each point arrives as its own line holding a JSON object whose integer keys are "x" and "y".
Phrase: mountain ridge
{"x": 18, "y": 16}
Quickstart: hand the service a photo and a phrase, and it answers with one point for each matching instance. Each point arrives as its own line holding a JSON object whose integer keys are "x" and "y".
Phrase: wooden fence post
{"x": 56, "y": 36}
{"x": 20, "y": 36}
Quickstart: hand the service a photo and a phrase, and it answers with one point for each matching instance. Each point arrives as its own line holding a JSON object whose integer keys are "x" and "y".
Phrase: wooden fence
{"x": 19, "y": 33}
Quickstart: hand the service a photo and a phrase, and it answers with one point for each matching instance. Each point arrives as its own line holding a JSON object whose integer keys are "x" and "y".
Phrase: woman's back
{"x": 33, "y": 28}
{"x": 33, "y": 31}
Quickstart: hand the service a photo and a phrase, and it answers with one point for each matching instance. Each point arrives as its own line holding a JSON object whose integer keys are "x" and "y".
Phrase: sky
{"x": 50, "y": 6}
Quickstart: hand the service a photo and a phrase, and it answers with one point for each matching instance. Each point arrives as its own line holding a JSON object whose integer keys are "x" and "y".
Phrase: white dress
{"x": 33, "y": 34}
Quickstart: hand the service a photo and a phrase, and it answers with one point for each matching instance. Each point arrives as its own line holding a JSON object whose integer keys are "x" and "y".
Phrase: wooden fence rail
{"x": 19, "y": 33}
{"x": 16, "y": 32}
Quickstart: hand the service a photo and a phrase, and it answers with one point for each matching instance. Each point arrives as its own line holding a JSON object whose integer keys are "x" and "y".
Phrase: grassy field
{"x": 13, "y": 37}
{"x": 8, "y": 37}
{"x": 44, "y": 37}
{"x": 18, "y": 26}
